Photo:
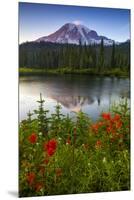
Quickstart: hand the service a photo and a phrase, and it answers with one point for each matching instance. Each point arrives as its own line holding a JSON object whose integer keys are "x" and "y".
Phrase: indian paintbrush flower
{"x": 106, "y": 116}
{"x": 38, "y": 186}
{"x": 50, "y": 147}
{"x": 30, "y": 178}
{"x": 33, "y": 138}
{"x": 98, "y": 144}
{"x": 58, "y": 172}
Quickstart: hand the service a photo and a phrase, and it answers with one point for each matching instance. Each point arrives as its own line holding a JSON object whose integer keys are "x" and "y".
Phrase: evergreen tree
{"x": 101, "y": 56}
{"x": 42, "y": 117}
{"x": 57, "y": 119}
{"x": 48, "y": 55}
{"x": 113, "y": 61}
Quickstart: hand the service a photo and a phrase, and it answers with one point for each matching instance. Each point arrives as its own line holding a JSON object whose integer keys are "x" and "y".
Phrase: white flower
{"x": 40, "y": 133}
{"x": 104, "y": 160}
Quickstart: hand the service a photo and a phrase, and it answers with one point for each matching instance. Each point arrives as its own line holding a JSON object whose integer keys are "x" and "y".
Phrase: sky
{"x": 38, "y": 20}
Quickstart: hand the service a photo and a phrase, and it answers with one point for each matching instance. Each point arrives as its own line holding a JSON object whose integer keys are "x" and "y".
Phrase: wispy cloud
{"x": 78, "y": 22}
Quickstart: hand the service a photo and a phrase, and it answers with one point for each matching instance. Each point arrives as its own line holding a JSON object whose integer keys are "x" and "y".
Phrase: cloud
{"x": 78, "y": 22}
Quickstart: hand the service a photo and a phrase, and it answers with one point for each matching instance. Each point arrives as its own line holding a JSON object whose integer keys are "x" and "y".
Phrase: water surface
{"x": 90, "y": 94}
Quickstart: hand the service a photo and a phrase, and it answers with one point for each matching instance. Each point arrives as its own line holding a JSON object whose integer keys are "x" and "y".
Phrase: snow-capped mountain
{"x": 74, "y": 34}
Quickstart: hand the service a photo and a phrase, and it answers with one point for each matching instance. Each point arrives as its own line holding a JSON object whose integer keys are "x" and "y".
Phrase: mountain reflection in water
{"x": 74, "y": 92}
{"x": 74, "y": 103}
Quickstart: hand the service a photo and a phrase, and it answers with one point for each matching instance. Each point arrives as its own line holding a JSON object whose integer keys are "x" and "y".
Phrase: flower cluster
{"x": 50, "y": 147}
{"x": 98, "y": 144}
{"x": 69, "y": 148}
{"x": 33, "y": 138}
{"x": 106, "y": 116}
{"x": 38, "y": 186}
{"x": 31, "y": 178}
{"x": 111, "y": 124}
{"x": 95, "y": 127}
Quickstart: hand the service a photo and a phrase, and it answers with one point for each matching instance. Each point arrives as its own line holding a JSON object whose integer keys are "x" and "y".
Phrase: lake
{"x": 88, "y": 93}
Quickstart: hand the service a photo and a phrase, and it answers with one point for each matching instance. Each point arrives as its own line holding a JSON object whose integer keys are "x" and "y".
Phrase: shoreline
{"x": 61, "y": 71}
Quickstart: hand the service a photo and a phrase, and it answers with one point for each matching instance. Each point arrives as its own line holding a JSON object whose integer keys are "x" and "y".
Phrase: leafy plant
{"x": 42, "y": 117}
{"x": 63, "y": 155}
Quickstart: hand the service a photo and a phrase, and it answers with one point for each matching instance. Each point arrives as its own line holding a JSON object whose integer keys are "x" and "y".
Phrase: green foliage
{"x": 42, "y": 117}
{"x": 101, "y": 59}
{"x": 56, "y": 121}
{"x": 29, "y": 114}
{"x": 113, "y": 61}
{"x": 119, "y": 72}
{"x": 83, "y": 156}
{"x": 46, "y": 56}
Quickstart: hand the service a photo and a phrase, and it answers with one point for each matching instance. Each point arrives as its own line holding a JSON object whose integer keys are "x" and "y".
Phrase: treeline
{"x": 50, "y": 55}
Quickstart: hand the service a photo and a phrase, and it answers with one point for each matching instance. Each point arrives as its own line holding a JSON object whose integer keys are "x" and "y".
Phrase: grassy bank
{"x": 106, "y": 72}
{"x": 60, "y": 155}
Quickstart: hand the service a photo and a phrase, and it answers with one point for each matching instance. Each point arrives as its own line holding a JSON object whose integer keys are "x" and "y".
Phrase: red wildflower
{"x": 95, "y": 127}
{"x": 38, "y": 186}
{"x": 51, "y": 144}
{"x": 98, "y": 144}
{"x": 32, "y": 138}
{"x": 46, "y": 161}
{"x": 30, "y": 178}
{"x": 116, "y": 117}
{"x": 109, "y": 129}
{"x": 50, "y": 151}
{"x": 106, "y": 116}
{"x": 118, "y": 124}
{"x": 58, "y": 172}
{"x": 41, "y": 170}
{"x": 50, "y": 147}
{"x": 113, "y": 132}
{"x": 100, "y": 124}
{"x": 68, "y": 140}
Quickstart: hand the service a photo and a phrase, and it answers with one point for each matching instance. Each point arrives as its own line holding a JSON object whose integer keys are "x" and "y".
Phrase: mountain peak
{"x": 76, "y": 25}
{"x": 73, "y": 33}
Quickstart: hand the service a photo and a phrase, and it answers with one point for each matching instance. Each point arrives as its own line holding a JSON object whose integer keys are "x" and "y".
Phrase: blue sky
{"x": 37, "y": 20}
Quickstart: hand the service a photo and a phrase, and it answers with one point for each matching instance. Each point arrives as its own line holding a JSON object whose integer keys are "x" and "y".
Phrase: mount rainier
{"x": 74, "y": 34}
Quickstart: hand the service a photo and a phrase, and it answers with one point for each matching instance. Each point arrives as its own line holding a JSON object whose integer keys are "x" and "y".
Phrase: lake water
{"x": 90, "y": 94}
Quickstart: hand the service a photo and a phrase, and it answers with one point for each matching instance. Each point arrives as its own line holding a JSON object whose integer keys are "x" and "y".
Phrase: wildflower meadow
{"x": 63, "y": 155}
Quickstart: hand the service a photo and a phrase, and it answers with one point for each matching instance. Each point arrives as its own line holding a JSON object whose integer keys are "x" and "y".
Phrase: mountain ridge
{"x": 75, "y": 34}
